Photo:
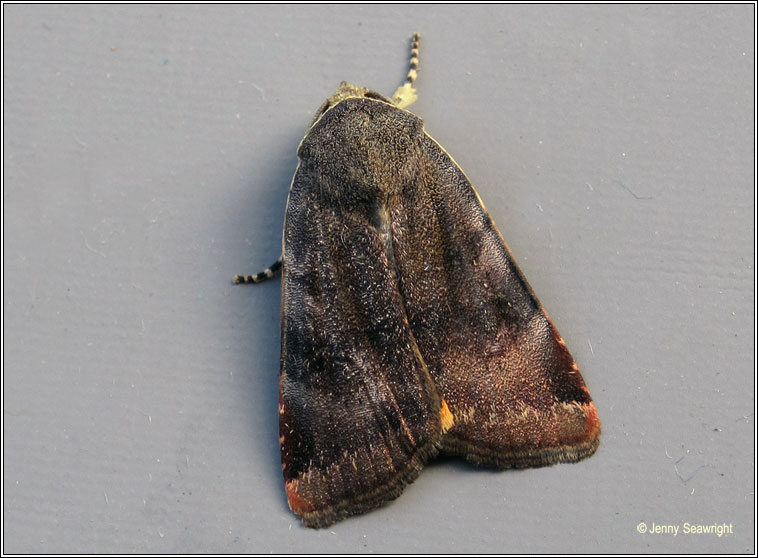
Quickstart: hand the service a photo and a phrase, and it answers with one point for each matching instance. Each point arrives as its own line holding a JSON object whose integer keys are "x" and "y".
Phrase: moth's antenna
{"x": 413, "y": 71}
{"x": 406, "y": 94}
{"x": 265, "y": 275}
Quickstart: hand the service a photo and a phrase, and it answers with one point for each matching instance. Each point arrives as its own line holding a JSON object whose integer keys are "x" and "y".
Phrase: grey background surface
{"x": 148, "y": 151}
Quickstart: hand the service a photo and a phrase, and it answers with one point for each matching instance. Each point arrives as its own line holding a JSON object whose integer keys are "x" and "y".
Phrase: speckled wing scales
{"x": 515, "y": 392}
{"x": 407, "y": 326}
{"x": 359, "y": 412}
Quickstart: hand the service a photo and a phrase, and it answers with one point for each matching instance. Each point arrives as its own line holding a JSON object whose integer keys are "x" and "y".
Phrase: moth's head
{"x": 348, "y": 91}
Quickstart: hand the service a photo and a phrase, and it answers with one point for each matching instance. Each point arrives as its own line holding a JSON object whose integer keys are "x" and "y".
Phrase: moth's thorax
{"x": 362, "y": 142}
{"x": 346, "y": 91}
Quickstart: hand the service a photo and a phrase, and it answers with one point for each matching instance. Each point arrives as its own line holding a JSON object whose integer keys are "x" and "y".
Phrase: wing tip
{"x": 317, "y": 517}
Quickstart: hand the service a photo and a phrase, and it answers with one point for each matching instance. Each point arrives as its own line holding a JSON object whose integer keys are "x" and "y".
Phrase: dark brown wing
{"x": 401, "y": 301}
{"x": 359, "y": 412}
{"x": 515, "y": 392}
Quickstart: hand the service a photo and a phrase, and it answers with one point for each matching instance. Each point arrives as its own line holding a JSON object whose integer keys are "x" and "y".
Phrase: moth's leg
{"x": 265, "y": 275}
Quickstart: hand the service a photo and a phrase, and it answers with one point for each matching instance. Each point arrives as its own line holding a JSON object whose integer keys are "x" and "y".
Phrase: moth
{"x": 407, "y": 327}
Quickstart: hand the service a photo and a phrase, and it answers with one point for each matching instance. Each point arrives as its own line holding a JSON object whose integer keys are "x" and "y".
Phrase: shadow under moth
{"x": 407, "y": 327}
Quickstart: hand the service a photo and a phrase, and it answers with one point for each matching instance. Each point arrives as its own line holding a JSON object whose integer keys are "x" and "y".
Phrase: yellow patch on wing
{"x": 446, "y": 417}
